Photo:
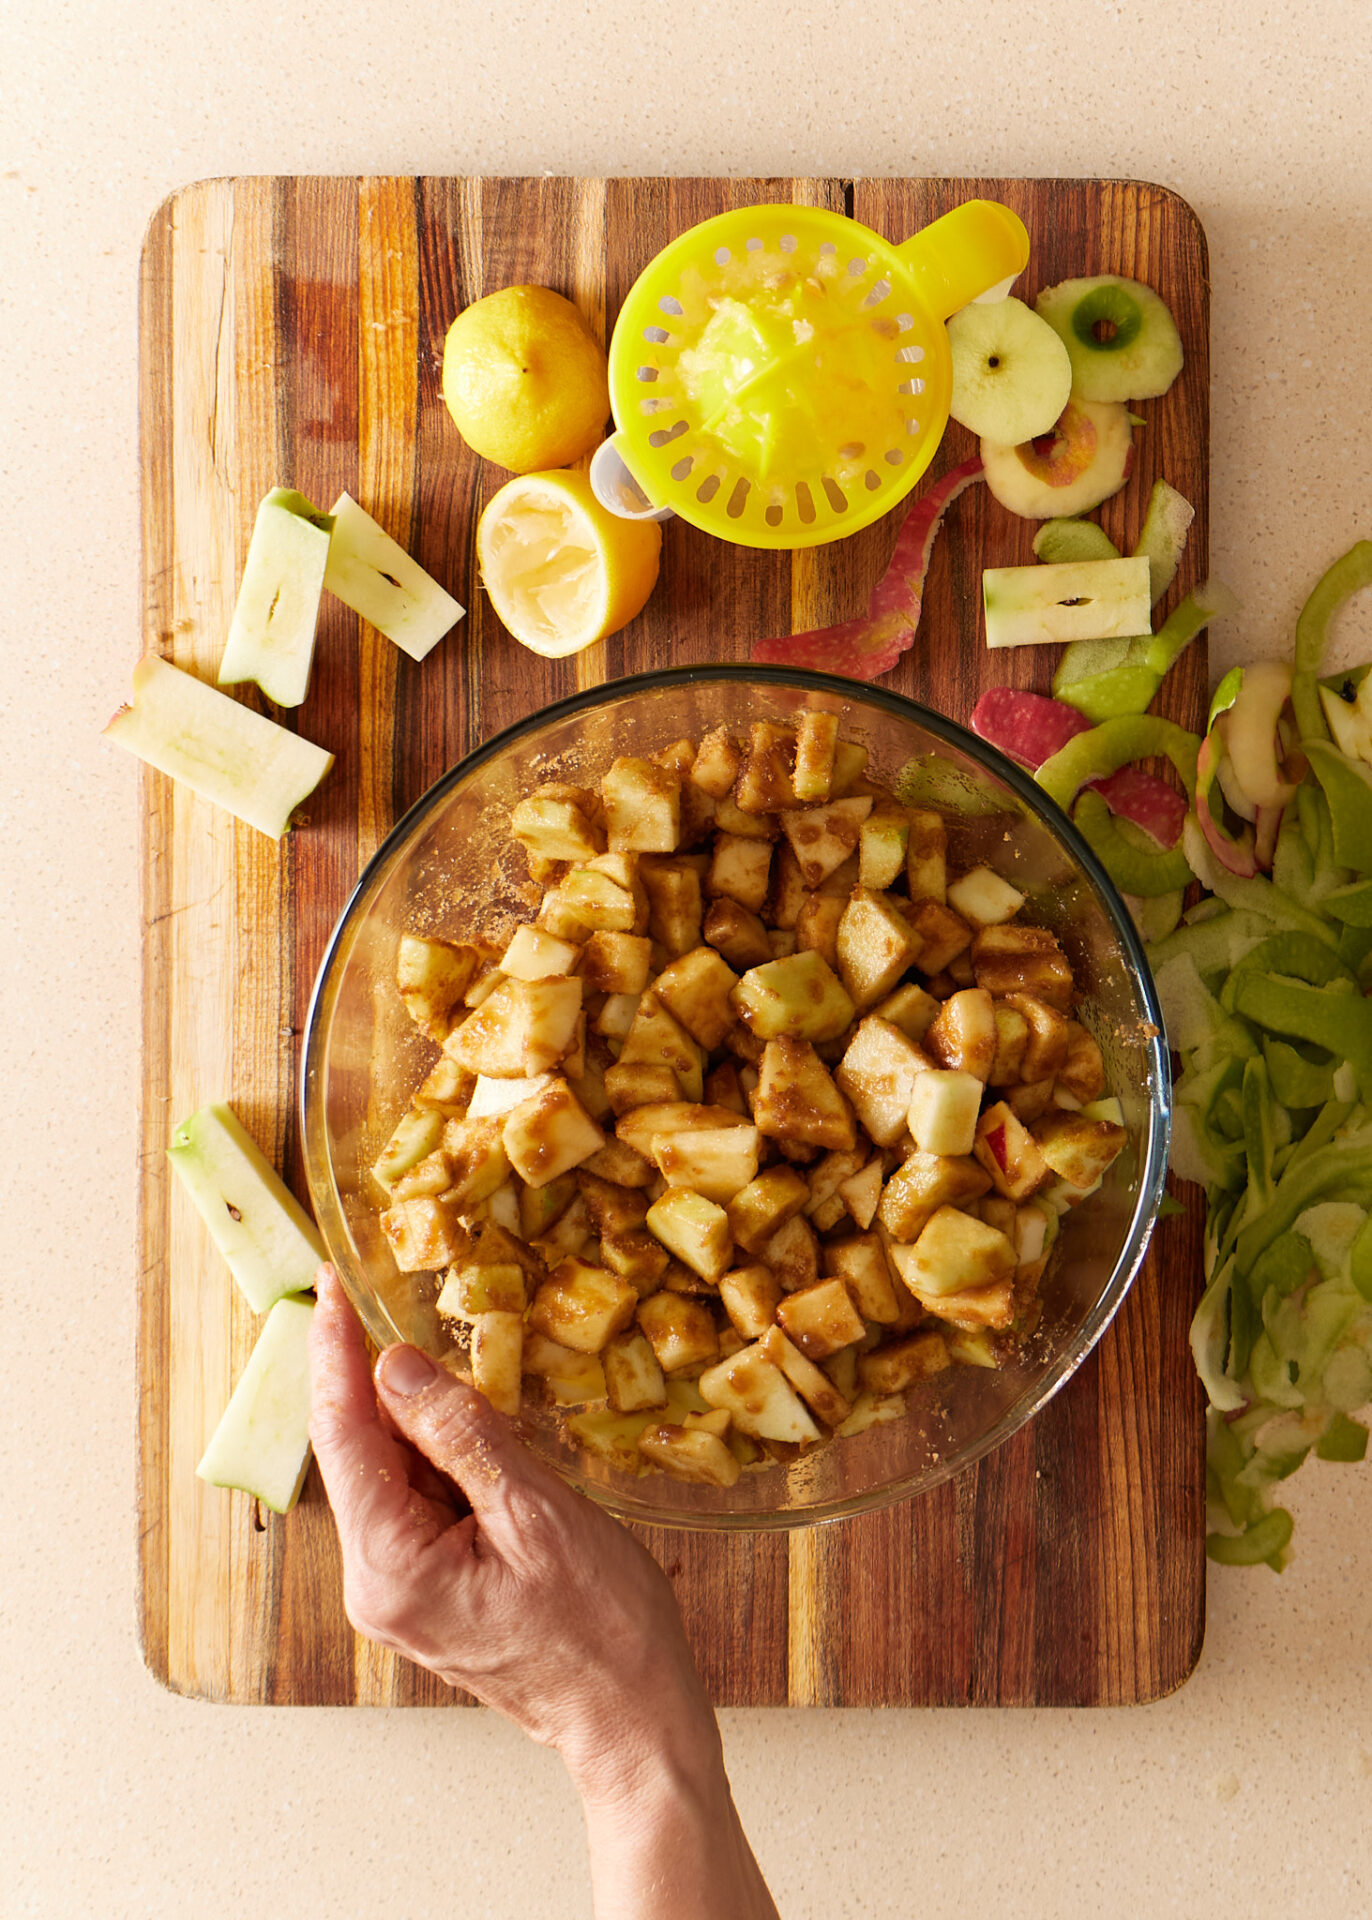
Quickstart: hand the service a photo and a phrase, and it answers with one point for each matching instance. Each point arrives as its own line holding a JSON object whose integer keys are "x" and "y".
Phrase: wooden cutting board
{"x": 292, "y": 332}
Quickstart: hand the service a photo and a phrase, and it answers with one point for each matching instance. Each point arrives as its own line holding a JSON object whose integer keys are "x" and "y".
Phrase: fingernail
{"x": 406, "y": 1370}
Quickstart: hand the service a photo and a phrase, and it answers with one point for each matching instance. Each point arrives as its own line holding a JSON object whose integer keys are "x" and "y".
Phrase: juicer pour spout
{"x": 977, "y": 248}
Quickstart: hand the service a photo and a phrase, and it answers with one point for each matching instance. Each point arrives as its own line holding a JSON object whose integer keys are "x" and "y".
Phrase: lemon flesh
{"x": 525, "y": 379}
{"x": 560, "y": 570}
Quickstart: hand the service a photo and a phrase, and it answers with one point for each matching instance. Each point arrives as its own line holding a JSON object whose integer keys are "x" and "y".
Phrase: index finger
{"x": 365, "y": 1472}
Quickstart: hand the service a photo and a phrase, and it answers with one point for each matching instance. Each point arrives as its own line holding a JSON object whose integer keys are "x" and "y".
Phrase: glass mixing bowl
{"x": 450, "y": 868}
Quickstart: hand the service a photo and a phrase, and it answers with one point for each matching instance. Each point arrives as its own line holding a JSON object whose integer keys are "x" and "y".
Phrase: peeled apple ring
{"x": 1114, "y": 744}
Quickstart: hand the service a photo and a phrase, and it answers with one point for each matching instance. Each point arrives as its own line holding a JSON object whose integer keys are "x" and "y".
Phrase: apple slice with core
{"x": 271, "y": 636}
{"x": 373, "y": 574}
{"x": 1085, "y": 600}
{"x": 1079, "y": 462}
{"x": 1122, "y": 339}
{"x": 219, "y": 749}
{"x": 269, "y": 1241}
{"x": 1012, "y": 375}
{"x": 262, "y": 1444}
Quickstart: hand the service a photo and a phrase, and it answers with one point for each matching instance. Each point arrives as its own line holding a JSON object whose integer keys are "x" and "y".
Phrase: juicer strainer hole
{"x": 827, "y": 247}
{"x": 773, "y": 515}
{"x": 835, "y": 495}
{"x": 656, "y": 336}
{"x": 665, "y": 435}
{"x": 647, "y": 373}
{"x": 722, "y": 256}
{"x": 894, "y": 457}
{"x": 668, "y": 304}
{"x": 850, "y": 450}
{"x": 683, "y": 467}
{"x": 912, "y": 425}
{"x": 857, "y": 268}
{"x": 707, "y": 489}
{"x": 805, "y": 503}
{"x": 878, "y": 294}
{"x": 872, "y": 480}
{"x": 905, "y": 321}
{"x": 755, "y": 245}
{"x": 910, "y": 354}
{"x": 787, "y": 243}
{"x": 910, "y": 386}
{"x": 738, "y": 499}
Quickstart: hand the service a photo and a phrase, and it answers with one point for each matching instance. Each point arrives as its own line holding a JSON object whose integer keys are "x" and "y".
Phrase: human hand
{"x": 470, "y": 1557}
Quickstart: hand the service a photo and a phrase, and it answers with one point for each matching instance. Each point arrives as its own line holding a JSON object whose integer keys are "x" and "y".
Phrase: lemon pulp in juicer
{"x": 784, "y": 369}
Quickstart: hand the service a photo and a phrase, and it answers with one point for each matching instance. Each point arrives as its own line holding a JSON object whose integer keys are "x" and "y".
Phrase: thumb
{"x": 457, "y": 1429}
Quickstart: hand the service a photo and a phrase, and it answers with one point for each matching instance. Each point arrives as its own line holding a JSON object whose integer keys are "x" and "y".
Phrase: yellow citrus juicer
{"x": 780, "y": 376}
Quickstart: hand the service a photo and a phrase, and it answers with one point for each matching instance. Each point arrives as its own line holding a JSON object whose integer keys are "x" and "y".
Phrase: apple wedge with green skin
{"x": 373, "y": 574}
{"x": 1070, "y": 469}
{"x": 218, "y": 748}
{"x": 271, "y": 635}
{"x": 269, "y": 1241}
{"x": 1082, "y": 600}
{"x": 262, "y": 1445}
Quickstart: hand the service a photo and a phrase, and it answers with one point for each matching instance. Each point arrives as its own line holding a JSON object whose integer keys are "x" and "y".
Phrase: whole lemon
{"x": 525, "y": 379}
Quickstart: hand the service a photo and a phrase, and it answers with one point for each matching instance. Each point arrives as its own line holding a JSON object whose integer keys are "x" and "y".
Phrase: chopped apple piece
{"x": 893, "y": 1368}
{"x": 642, "y": 807}
{"x": 638, "y": 1129}
{"x": 738, "y": 935}
{"x": 860, "y": 1262}
{"x": 943, "y": 1111}
{"x": 1014, "y": 959}
{"x": 1078, "y": 1149}
{"x": 261, "y": 1445}
{"x": 1045, "y": 1047}
{"x": 862, "y": 1193}
{"x": 716, "y": 764}
{"x": 765, "y": 1205}
{"x": 955, "y": 1253}
{"x": 447, "y": 1088}
{"x": 816, "y": 742}
{"x": 983, "y": 899}
{"x": 878, "y": 1073}
{"x": 535, "y": 955}
{"x": 471, "y": 1289}
{"x": 797, "y": 1100}
{"x": 800, "y": 997}
{"x": 758, "y": 1397}
{"x": 221, "y": 750}
{"x": 271, "y": 636}
{"x": 788, "y": 890}
{"x": 598, "y": 901}
{"x": 822, "y": 838}
{"x": 613, "y": 1208}
{"x": 694, "y": 1455}
{"x": 636, "y": 1257}
{"x": 825, "y": 1206}
{"x": 620, "y": 1162}
{"x": 639, "y": 1083}
{"x": 943, "y": 935}
{"x": 550, "y": 1134}
{"x": 675, "y": 904}
{"x": 492, "y": 1097}
{"x": 477, "y": 1159}
{"x": 875, "y": 947}
{"x": 911, "y": 1009}
{"x": 1082, "y": 1071}
{"x": 821, "y": 1318}
{"x": 633, "y": 1378}
{"x": 373, "y": 574}
{"x": 926, "y": 1182}
{"x": 974, "y": 1309}
{"x": 964, "y": 1034}
{"x": 416, "y": 1136}
{"x": 750, "y": 1296}
{"x": 523, "y": 1028}
{"x": 610, "y": 1436}
{"x": 432, "y": 1175}
{"x": 432, "y": 976}
{"x": 1009, "y": 1153}
{"x": 680, "y": 1330}
{"x": 423, "y": 1235}
{"x": 718, "y": 1163}
{"x": 926, "y": 858}
{"x": 271, "y": 1245}
{"x": 740, "y": 870}
{"x": 497, "y": 1349}
{"x": 695, "y": 990}
{"x": 657, "y": 1039}
{"x": 552, "y": 828}
{"x": 793, "y": 1254}
{"x": 616, "y": 963}
{"x": 814, "y": 1387}
{"x": 764, "y": 781}
{"x": 582, "y": 1306}
{"x": 694, "y": 1229}
{"x": 1012, "y": 1037}
{"x": 882, "y": 846}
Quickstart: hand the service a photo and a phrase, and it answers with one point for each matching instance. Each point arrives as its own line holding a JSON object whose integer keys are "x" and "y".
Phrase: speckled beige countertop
{"x": 1246, "y": 1791}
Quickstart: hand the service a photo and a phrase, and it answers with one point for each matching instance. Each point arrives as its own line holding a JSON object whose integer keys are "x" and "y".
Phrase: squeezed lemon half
{"x": 560, "y": 570}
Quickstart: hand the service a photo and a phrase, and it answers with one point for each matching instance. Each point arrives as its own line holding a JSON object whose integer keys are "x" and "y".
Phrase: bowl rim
{"x": 1153, "y": 1171}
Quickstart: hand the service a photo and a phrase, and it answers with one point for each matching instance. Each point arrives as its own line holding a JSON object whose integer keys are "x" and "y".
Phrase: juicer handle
{"x": 617, "y": 489}
{"x": 966, "y": 253}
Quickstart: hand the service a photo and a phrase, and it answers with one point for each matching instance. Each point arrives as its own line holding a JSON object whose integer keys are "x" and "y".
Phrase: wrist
{"x": 672, "y": 1749}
